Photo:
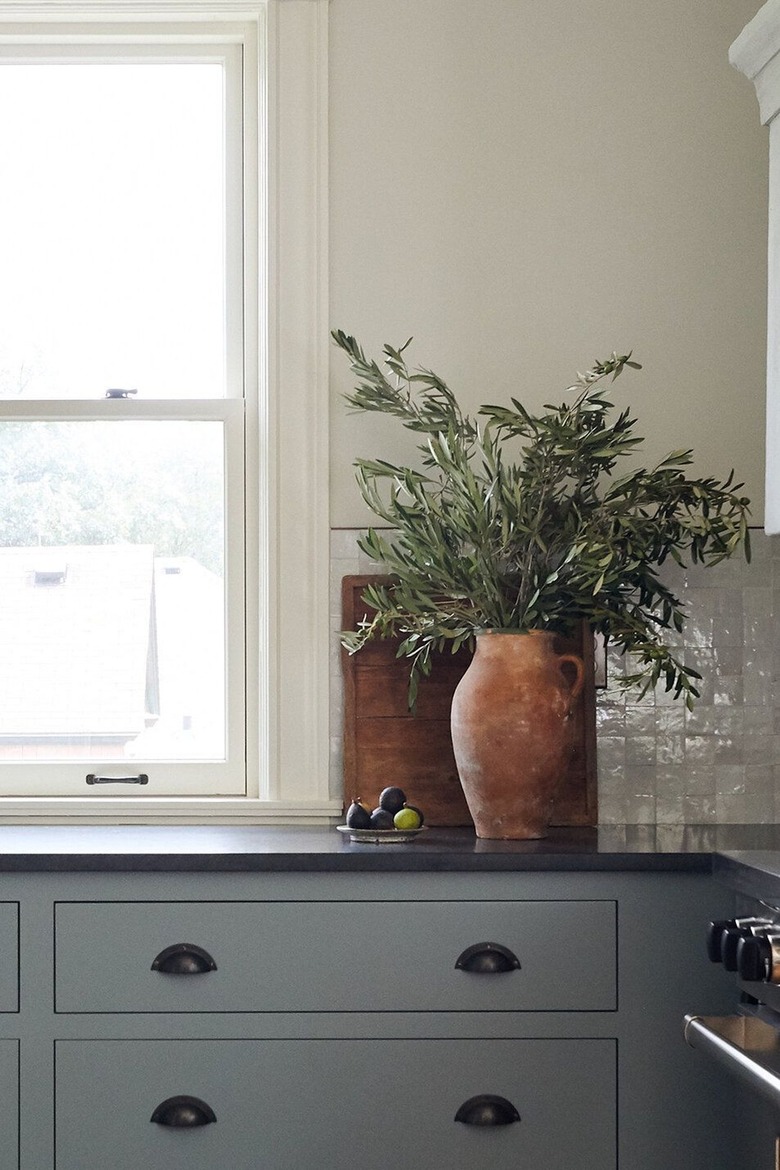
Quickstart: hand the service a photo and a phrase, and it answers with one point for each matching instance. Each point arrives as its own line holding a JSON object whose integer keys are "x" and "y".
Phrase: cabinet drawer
{"x": 336, "y": 956}
{"x": 377, "y": 1104}
{"x": 9, "y": 1096}
{"x": 9, "y": 956}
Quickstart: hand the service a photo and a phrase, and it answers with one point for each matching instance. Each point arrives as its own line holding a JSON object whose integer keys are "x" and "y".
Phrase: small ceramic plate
{"x": 381, "y": 836}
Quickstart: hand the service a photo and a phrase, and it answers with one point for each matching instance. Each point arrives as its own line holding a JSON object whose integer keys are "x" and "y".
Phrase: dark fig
{"x": 382, "y": 819}
{"x": 358, "y": 816}
{"x": 392, "y": 799}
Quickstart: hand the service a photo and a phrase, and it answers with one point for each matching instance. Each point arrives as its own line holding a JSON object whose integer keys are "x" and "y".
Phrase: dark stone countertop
{"x": 752, "y": 871}
{"x": 232, "y": 848}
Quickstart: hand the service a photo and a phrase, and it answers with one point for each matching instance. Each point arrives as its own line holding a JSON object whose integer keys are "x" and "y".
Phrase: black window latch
{"x": 141, "y": 779}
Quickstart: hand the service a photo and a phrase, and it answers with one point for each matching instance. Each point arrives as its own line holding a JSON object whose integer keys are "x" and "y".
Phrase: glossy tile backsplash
{"x": 658, "y": 762}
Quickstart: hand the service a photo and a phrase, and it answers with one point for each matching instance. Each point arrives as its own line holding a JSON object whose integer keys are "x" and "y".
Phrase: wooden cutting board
{"x": 384, "y": 743}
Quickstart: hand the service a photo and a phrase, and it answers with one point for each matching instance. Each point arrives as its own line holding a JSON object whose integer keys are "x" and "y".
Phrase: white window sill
{"x": 166, "y": 810}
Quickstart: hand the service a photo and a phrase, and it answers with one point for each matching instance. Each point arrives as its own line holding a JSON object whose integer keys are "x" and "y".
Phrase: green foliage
{"x": 89, "y": 483}
{"x": 516, "y": 521}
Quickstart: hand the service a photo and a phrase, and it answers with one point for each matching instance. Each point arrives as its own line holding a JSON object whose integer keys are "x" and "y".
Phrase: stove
{"x": 747, "y": 947}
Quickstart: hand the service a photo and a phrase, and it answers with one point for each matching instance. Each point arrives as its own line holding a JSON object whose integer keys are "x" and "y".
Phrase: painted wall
{"x": 527, "y": 186}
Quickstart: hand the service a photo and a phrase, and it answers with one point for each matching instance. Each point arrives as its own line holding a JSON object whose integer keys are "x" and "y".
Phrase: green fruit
{"x": 392, "y": 799}
{"x": 358, "y": 816}
{"x": 381, "y": 819}
{"x": 419, "y": 812}
{"x": 407, "y": 818}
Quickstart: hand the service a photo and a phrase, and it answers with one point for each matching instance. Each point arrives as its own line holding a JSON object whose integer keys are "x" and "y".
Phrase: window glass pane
{"x": 112, "y": 229}
{"x": 112, "y": 540}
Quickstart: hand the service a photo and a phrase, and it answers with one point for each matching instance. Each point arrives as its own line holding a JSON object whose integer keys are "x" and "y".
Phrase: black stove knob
{"x": 729, "y": 941}
{"x": 731, "y": 936}
{"x": 715, "y": 932}
{"x": 754, "y": 959}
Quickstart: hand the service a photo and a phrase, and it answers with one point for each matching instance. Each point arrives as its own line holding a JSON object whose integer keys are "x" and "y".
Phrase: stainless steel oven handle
{"x": 745, "y": 1045}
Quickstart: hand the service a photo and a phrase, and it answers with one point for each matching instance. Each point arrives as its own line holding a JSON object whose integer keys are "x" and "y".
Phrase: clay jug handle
{"x": 579, "y": 668}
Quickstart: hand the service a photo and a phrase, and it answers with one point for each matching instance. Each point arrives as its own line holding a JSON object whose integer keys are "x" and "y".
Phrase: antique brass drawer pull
{"x": 184, "y": 959}
{"x": 487, "y": 1109}
{"x": 488, "y": 958}
{"x": 183, "y": 1112}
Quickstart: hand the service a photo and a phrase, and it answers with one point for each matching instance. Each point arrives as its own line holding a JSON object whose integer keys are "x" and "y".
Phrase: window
{"x": 163, "y": 539}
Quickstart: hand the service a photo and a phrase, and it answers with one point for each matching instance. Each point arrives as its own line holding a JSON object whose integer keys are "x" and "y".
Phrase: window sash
{"x": 241, "y": 159}
{"x": 166, "y": 777}
{"x": 227, "y": 777}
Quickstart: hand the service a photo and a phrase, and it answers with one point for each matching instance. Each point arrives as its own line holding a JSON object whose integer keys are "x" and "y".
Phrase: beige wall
{"x": 526, "y": 185}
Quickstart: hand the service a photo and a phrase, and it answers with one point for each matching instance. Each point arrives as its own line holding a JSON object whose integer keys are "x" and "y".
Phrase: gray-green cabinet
{"x": 9, "y": 956}
{"x": 375, "y": 1104}
{"x": 292, "y": 956}
{"x": 9, "y": 1104}
{"x": 391, "y": 1021}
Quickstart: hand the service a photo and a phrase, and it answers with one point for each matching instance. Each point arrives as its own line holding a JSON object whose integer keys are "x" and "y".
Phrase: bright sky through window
{"x": 112, "y": 229}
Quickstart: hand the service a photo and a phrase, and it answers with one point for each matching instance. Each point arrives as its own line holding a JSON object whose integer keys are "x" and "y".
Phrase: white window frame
{"x": 287, "y": 640}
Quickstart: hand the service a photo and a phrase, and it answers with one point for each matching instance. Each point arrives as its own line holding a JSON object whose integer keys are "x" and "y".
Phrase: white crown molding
{"x": 756, "y": 53}
{"x": 758, "y": 41}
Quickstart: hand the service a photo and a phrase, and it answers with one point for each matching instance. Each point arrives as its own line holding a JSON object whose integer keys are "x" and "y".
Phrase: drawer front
{"x": 377, "y": 1104}
{"x": 9, "y": 1096}
{"x": 337, "y": 956}
{"x": 9, "y": 956}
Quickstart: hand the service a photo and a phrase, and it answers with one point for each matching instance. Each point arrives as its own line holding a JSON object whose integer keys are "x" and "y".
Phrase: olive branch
{"x": 516, "y": 521}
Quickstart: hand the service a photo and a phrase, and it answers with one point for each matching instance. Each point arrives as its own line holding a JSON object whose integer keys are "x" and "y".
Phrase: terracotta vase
{"x": 512, "y": 731}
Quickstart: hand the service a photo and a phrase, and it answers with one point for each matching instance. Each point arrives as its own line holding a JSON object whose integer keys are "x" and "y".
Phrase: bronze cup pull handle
{"x": 487, "y": 958}
{"x": 184, "y": 959}
{"x": 183, "y": 1112}
{"x": 487, "y": 1109}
